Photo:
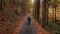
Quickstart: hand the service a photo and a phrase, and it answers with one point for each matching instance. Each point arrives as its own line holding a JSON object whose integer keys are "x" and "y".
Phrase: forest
{"x": 45, "y": 12}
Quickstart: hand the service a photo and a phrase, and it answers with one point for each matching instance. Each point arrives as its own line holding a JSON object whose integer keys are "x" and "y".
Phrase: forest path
{"x": 33, "y": 28}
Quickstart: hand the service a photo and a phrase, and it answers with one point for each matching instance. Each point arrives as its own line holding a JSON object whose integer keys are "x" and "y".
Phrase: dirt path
{"x": 39, "y": 29}
{"x": 20, "y": 26}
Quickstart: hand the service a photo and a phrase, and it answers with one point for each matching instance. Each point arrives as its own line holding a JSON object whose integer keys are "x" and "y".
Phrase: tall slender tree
{"x": 37, "y": 9}
{"x": 55, "y": 9}
{"x": 45, "y": 12}
{"x": 54, "y": 6}
{"x": 1, "y": 4}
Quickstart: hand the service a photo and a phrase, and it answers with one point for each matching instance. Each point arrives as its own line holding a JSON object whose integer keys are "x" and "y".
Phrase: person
{"x": 29, "y": 20}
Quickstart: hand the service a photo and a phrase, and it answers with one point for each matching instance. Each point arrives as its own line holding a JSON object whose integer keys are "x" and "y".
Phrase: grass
{"x": 55, "y": 28}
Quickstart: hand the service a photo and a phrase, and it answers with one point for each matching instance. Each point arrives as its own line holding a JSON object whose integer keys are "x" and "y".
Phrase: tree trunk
{"x": 37, "y": 9}
{"x": 44, "y": 13}
{"x": 55, "y": 13}
{"x": 1, "y": 4}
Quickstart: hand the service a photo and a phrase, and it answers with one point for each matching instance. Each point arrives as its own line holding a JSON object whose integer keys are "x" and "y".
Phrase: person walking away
{"x": 29, "y": 20}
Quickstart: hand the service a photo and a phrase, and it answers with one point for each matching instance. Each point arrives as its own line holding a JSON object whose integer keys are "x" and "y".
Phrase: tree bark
{"x": 44, "y": 13}
{"x": 37, "y": 10}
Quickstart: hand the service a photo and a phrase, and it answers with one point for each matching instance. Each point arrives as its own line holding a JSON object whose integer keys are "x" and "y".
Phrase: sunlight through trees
{"x": 46, "y": 12}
